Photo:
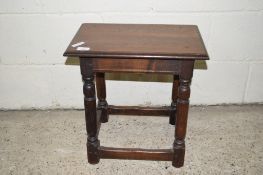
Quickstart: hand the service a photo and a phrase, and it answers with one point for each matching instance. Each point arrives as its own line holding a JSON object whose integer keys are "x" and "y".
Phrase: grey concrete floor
{"x": 220, "y": 140}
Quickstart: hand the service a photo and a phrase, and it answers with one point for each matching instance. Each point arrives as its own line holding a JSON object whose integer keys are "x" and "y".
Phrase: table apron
{"x": 136, "y": 65}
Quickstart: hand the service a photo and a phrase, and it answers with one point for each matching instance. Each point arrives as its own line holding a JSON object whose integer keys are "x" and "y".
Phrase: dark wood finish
{"x": 90, "y": 111}
{"x": 134, "y": 48}
{"x": 139, "y": 41}
{"x": 136, "y": 65}
{"x": 138, "y": 110}
{"x": 101, "y": 94}
{"x": 182, "y": 112}
{"x": 136, "y": 154}
{"x": 98, "y": 121}
{"x": 172, "y": 118}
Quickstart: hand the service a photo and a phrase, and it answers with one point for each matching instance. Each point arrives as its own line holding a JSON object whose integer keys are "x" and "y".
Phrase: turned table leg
{"x": 172, "y": 118}
{"x": 101, "y": 94}
{"x": 90, "y": 111}
{"x": 182, "y": 113}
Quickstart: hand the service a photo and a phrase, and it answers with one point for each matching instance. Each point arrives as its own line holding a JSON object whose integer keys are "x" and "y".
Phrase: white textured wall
{"x": 35, "y": 33}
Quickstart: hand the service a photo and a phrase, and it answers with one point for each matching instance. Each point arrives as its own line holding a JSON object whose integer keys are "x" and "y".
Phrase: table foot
{"x": 179, "y": 151}
{"x": 93, "y": 151}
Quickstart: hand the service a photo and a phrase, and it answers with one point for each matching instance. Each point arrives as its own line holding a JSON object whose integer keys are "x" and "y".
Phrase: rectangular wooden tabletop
{"x": 138, "y": 41}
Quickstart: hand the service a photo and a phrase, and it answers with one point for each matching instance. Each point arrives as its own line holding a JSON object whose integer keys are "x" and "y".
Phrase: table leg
{"x": 172, "y": 118}
{"x": 101, "y": 94}
{"x": 90, "y": 111}
{"x": 182, "y": 113}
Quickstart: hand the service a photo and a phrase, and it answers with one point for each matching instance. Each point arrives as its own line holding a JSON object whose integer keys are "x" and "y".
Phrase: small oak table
{"x": 136, "y": 48}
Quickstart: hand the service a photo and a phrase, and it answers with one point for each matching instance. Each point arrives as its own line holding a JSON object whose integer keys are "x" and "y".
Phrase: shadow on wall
{"x": 199, "y": 64}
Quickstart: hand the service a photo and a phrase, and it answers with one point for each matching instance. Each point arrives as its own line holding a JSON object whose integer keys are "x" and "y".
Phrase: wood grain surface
{"x": 138, "y": 41}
